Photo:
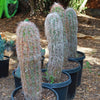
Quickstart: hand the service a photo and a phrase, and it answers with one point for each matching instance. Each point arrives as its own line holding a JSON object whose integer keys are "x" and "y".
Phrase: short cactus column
{"x": 56, "y": 7}
{"x": 29, "y": 56}
{"x": 54, "y": 34}
{"x": 72, "y": 29}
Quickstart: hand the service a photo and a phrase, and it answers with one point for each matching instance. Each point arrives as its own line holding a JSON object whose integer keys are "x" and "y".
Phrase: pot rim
{"x": 78, "y": 58}
{"x": 7, "y": 58}
{"x": 59, "y": 85}
{"x": 20, "y": 87}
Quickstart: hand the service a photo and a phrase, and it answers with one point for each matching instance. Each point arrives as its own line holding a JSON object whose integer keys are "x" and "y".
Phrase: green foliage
{"x": 49, "y": 78}
{"x": 75, "y": 4}
{"x": 2, "y": 48}
{"x": 88, "y": 66}
{"x": 98, "y": 74}
{"x": 42, "y": 52}
{"x": 26, "y": 19}
{"x": 9, "y": 45}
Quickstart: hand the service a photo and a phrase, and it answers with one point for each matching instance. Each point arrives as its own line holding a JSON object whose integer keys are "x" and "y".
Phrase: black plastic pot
{"x": 4, "y": 67}
{"x": 72, "y": 87}
{"x": 80, "y": 60}
{"x": 17, "y": 80}
{"x": 18, "y": 88}
{"x": 60, "y": 88}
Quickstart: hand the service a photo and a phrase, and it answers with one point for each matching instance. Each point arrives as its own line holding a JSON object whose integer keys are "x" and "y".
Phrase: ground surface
{"x": 89, "y": 26}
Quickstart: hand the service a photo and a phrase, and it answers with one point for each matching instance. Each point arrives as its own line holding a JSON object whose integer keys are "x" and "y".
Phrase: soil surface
{"x": 89, "y": 26}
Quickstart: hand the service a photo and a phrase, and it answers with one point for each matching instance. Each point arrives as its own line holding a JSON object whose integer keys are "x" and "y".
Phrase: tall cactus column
{"x": 72, "y": 29}
{"x": 56, "y": 7}
{"x": 54, "y": 34}
{"x": 29, "y": 56}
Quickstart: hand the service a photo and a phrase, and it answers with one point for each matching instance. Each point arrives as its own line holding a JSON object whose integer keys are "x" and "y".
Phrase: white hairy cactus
{"x": 54, "y": 34}
{"x": 29, "y": 56}
{"x": 72, "y": 29}
{"x": 56, "y": 7}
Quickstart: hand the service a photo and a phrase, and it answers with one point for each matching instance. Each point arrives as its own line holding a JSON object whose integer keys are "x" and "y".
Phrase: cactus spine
{"x": 29, "y": 55}
{"x": 54, "y": 34}
{"x": 72, "y": 29}
{"x": 60, "y": 10}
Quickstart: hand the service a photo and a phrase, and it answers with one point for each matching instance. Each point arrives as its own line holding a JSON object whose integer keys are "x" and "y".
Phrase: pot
{"x": 17, "y": 80}
{"x": 73, "y": 86}
{"x": 4, "y": 67}
{"x": 80, "y": 60}
{"x": 18, "y": 88}
{"x": 60, "y": 88}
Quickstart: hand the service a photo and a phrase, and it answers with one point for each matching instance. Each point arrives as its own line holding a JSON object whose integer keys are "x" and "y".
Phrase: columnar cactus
{"x": 60, "y": 10}
{"x": 2, "y": 48}
{"x": 72, "y": 29}
{"x": 29, "y": 56}
{"x": 54, "y": 34}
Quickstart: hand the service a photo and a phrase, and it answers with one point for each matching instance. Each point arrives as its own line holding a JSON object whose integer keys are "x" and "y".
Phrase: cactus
{"x": 29, "y": 55}
{"x": 56, "y": 7}
{"x": 2, "y": 48}
{"x": 72, "y": 29}
{"x": 54, "y": 34}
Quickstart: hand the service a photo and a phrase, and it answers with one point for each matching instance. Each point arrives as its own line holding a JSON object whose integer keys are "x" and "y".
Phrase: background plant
{"x": 2, "y": 48}
{"x": 29, "y": 56}
{"x": 54, "y": 34}
{"x": 78, "y": 5}
{"x": 88, "y": 66}
{"x": 39, "y": 5}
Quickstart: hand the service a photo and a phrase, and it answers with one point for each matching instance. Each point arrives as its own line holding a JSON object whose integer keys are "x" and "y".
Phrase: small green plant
{"x": 87, "y": 65}
{"x": 10, "y": 45}
{"x": 2, "y": 48}
{"x": 49, "y": 78}
{"x": 98, "y": 74}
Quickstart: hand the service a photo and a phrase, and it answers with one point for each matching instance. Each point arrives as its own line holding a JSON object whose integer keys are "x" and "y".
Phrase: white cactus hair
{"x": 61, "y": 12}
{"x": 29, "y": 55}
{"x": 71, "y": 9}
{"x": 24, "y": 25}
{"x": 72, "y": 29}
{"x": 54, "y": 34}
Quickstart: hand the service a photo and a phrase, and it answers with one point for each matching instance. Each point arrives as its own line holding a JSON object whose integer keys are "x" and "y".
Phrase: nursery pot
{"x": 72, "y": 87}
{"x": 17, "y": 80}
{"x": 18, "y": 88}
{"x": 4, "y": 67}
{"x": 60, "y": 88}
{"x": 80, "y": 60}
